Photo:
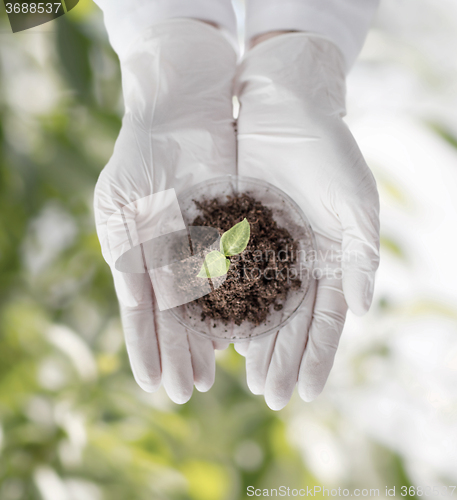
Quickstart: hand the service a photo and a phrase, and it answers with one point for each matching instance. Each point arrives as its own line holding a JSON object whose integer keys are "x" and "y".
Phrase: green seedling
{"x": 233, "y": 242}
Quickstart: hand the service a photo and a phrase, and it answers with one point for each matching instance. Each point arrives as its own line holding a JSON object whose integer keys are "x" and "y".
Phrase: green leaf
{"x": 215, "y": 265}
{"x": 236, "y": 239}
{"x": 393, "y": 247}
{"x": 71, "y": 4}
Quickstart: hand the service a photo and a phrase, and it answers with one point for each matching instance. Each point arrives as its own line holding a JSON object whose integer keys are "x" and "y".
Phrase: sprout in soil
{"x": 233, "y": 242}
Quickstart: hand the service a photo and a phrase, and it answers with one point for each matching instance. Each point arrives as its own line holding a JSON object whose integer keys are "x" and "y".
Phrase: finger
{"x": 242, "y": 348}
{"x": 203, "y": 362}
{"x": 326, "y": 327}
{"x": 177, "y": 370}
{"x": 287, "y": 355}
{"x": 360, "y": 245}
{"x": 137, "y": 314}
{"x": 257, "y": 362}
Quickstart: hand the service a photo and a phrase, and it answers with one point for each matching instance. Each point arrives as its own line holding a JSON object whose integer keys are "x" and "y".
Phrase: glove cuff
{"x": 126, "y": 20}
{"x": 304, "y": 66}
{"x": 345, "y": 22}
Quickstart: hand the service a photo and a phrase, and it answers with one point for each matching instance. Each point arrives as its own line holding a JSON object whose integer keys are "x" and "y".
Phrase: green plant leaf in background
{"x": 74, "y": 48}
{"x": 215, "y": 265}
{"x": 444, "y": 132}
{"x": 393, "y": 247}
{"x": 71, "y": 4}
{"x": 235, "y": 240}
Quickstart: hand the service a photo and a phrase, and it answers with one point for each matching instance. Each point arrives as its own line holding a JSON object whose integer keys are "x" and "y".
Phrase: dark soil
{"x": 260, "y": 276}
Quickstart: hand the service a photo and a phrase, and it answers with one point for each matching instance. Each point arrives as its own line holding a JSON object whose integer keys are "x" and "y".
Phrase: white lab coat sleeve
{"x": 125, "y": 20}
{"x": 344, "y": 22}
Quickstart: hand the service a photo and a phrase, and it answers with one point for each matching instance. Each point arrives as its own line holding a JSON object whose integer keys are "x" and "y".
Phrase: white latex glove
{"x": 290, "y": 131}
{"x": 177, "y": 130}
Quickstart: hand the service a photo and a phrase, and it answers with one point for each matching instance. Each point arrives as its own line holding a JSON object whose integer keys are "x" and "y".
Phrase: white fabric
{"x": 290, "y": 131}
{"x": 344, "y": 22}
{"x": 125, "y": 20}
{"x": 177, "y": 131}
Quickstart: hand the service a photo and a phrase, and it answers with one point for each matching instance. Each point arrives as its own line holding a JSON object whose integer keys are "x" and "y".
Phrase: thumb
{"x": 360, "y": 246}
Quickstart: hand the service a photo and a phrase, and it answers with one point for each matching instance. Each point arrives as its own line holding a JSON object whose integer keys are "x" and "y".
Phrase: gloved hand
{"x": 290, "y": 131}
{"x": 177, "y": 130}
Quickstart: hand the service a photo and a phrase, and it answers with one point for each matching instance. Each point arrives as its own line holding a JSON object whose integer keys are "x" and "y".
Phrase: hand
{"x": 290, "y": 131}
{"x": 177, "y": 131}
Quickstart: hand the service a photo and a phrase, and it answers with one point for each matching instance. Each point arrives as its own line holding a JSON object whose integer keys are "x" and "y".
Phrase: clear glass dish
{"x": 288, "y": 215}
